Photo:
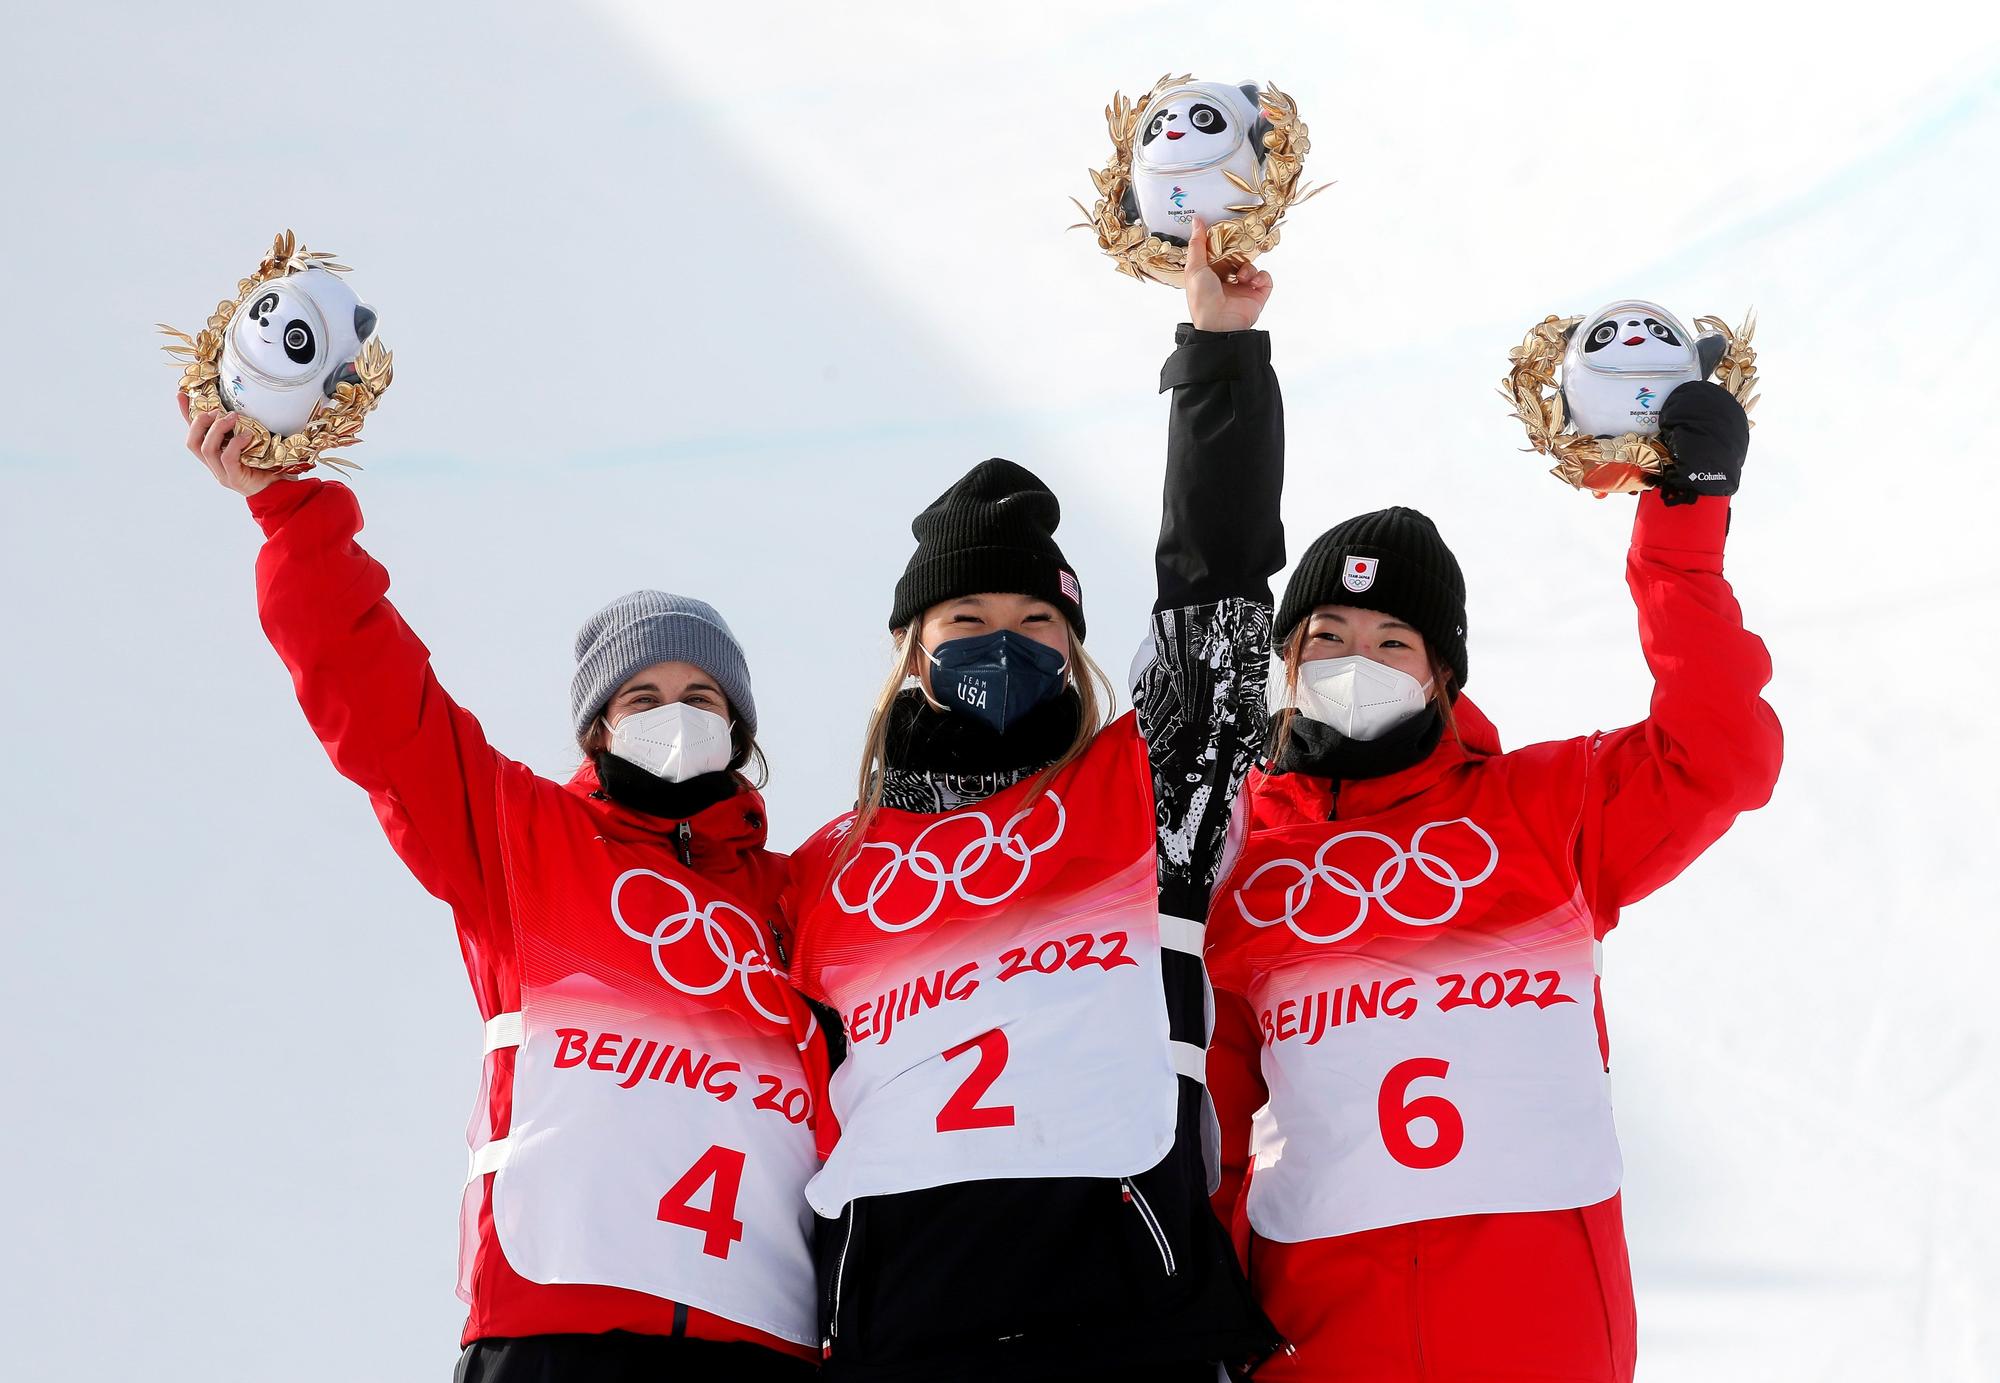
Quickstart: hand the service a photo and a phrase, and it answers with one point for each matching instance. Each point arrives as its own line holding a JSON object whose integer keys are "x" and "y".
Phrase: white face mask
{"x": 675, "y": 742}
{"x": 1359, "y": 697}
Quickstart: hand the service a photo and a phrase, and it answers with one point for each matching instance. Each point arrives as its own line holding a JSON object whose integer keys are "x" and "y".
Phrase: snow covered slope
{"x": 714, "y": 299}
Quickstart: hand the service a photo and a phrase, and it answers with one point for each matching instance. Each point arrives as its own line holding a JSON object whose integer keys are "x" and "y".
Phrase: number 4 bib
{"x": 661, "y": 1133}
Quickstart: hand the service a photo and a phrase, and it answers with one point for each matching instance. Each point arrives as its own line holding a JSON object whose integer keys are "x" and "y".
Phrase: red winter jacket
{"x": 366, "y": 685}
{"x": 1545, "y": 1294}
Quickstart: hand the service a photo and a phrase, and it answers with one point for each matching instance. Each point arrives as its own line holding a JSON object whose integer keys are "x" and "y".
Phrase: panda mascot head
{"x": 1190, "y": 137}
{"x": 289, "y": 347}
{"x": 1623, "y": 361}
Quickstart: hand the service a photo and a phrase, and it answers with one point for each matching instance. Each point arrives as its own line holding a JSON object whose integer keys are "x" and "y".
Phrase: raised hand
{"x": 215, "y": 438}
{"x": 1231, "y": 301}
{"x": 1708, "y": 435}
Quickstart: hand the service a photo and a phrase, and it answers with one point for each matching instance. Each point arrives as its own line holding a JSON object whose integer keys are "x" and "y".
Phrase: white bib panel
{"x": 1039, "y": 1051}
{"x": 1455, "y": 1078}
{"x": 641, "y": 1158}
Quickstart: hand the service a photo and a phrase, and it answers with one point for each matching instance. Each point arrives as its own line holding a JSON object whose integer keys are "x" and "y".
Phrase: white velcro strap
{"x": 503, "y": 1030}
{"x": 490, "y": 1157}
{"x": 1191, "y": 1061}
{"x": 1181, "y": 934}
{"x": 1597, "y": 956}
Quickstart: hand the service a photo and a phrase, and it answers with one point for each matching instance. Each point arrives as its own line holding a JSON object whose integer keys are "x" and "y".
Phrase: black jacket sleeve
{"x": 1220, "y": 534}
{"x": 1199, "y": 685}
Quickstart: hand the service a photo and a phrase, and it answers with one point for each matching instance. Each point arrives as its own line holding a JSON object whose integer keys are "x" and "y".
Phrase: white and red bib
{"x": 997, "y": 970}
{"x": 1425, "y": 981}
{"x": 661, "y": 1136}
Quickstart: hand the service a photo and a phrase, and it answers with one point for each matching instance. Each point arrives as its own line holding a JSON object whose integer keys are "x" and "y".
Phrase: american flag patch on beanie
{"x": 1067, "y": 584}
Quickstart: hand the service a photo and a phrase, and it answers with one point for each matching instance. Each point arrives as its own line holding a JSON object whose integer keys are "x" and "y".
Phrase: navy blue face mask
{"x": 995, "y": 678}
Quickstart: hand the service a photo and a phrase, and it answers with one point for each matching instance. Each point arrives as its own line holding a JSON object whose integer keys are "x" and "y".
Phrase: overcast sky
{"x": 714, "y": 298}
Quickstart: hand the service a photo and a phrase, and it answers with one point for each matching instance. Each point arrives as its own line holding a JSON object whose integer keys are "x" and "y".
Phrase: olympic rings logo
{"x": 665, "y": 935}
{"x": 966, "y": 875}
{"x": 1378, "y": 889}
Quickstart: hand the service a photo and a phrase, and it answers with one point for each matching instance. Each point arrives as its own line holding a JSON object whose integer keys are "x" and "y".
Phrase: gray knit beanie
{"x": 635, "y": 631}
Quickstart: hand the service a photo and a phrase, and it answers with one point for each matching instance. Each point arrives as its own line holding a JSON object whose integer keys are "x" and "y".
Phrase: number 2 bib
{"x": 1425, "y": 982}
{"x": 997, "y": 970}
{"x": 661, "y": 1133}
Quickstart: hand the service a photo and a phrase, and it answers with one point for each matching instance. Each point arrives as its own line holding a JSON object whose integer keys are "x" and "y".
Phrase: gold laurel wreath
{"x": 335, "y": 423}
{"x": 1143, "y": 255}
{"x": 1607, "y": 465}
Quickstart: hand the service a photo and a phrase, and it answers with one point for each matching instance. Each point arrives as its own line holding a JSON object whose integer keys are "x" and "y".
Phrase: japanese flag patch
{"x": 1358, "y": 574}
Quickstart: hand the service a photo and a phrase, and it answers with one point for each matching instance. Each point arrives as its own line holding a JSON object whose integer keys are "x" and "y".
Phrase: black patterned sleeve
{"x": 1199, "y": 691}
{"x": 1199, "y": 685}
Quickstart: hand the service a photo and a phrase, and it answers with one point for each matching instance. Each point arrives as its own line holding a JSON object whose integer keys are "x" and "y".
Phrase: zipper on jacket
{"x": 840, "y": 1272}
{"x": 1417, "y": 1302}
{"x": 684, "y": 843}
{"x": 1137, "y": 1200}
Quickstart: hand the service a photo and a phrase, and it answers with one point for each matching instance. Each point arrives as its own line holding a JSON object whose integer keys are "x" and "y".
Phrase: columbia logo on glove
{"x": 1708, "y": 435}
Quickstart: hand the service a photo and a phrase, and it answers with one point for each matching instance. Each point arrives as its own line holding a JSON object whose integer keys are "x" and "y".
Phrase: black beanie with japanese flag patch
{"x": 1391, "y": 561}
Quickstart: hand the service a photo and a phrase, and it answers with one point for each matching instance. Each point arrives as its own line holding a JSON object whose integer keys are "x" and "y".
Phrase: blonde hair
{"x": 1093, "y": 689}
{"x": 1293, "y": 655}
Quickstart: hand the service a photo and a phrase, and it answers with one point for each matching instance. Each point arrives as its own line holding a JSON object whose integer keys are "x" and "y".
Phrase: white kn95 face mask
{"x": 1359, "y": 697}
{"x": 675, "y": 742}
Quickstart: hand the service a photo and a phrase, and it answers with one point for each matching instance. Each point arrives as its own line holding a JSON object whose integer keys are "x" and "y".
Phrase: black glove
{"x": 1707, "y": 435}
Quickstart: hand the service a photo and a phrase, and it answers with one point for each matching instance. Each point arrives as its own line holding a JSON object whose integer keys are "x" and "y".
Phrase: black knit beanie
{"x": 992, "y": 531}
{"x": 1392, "y": 561}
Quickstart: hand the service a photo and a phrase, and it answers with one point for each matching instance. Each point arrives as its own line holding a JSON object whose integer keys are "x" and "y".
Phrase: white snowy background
{"x": 714, "y": 298}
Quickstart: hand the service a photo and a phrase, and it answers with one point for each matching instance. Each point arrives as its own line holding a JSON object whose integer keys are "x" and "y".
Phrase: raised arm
{"x": 1220, "y": 534}
{"x": 1662, "y": 791}
{"x": 365, "y": 682}
{"x": 1199, "y": 688}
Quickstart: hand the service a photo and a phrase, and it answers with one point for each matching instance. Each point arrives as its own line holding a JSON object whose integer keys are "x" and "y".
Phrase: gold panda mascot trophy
{"x": 1230, "y": 155}
{"x": 295, "y": 353}
{"x": 1589, "y": 389}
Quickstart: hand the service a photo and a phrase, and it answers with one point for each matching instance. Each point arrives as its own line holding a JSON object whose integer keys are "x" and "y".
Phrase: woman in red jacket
{"x": 1405, "y": 947}
{"x": 634, "y": 1206}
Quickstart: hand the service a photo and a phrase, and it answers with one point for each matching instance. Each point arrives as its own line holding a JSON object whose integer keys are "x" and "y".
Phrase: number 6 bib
{"x": 1426, "y": 989}
{"x": 997, "y": 971}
